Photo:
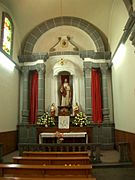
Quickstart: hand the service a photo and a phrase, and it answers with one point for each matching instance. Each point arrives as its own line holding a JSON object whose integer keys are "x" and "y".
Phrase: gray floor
{"x": 110, "y": 156}
{"x": 8, "y": 158}
{"x": 114, "y": 173}
{"x": 101, "y": 172}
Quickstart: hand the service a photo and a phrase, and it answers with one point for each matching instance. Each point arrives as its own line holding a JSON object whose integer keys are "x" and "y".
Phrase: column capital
{"x": 104, "y": 67}
{"x": 40, "y": 68}
{"x": 25, "y": 69}
{"x": 87, "y": 66}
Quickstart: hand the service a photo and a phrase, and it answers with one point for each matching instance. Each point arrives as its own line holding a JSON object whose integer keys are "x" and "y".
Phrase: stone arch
{"x": 84, "y": 25}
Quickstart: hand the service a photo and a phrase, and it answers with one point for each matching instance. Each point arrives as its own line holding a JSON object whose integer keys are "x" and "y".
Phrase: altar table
{"x": 65, "y": 135}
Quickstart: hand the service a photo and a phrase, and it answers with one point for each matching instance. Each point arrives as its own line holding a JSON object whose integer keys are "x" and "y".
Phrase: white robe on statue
{"x": 66, "y": 94}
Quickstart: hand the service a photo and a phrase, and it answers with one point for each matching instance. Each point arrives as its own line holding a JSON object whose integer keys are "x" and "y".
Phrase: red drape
{"x": 96, "y": 96}
{"x": 63, "y": 77}
{"x": 33, "y": 97}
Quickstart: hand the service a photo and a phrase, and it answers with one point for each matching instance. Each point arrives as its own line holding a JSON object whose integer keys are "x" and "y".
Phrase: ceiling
{"x": 30, "y": 13}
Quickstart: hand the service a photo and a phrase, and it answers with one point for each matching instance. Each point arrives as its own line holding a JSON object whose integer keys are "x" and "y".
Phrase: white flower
{"x": 80, "y": 120}
{"x": 46, "y": 120}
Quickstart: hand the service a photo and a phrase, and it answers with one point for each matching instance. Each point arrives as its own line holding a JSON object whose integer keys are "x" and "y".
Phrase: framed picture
{"x": 63, "y": 122}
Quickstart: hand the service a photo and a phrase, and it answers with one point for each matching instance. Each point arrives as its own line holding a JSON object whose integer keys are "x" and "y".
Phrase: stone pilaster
{"x": 105, "y": 98}
{"x": 87, "y": 80}
{"x": 41, "y": 88}
{"x": 25, "y": 98}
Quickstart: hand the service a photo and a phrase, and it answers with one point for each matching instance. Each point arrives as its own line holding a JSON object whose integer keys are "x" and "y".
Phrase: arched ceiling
{"x": 29, "y": 13}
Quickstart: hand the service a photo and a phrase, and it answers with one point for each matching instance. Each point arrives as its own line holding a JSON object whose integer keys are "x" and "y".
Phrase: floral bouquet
{"x": 46, "y": 120}
{"x": 80, "y": 120}
{"x": 59, "y": 137}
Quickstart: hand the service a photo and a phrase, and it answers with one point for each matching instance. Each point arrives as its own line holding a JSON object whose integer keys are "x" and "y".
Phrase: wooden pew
{"x": 62, "y": 178}
{"x": 40, "y": 171}
{"x": 55, "y": 154}
{"x": 51, "y": 160}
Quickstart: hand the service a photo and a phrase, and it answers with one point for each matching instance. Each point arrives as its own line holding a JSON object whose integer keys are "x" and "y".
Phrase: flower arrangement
{"x": 59, "y": 137}
{"x": 80, "y": 120}
{"x": 46, "y": 120}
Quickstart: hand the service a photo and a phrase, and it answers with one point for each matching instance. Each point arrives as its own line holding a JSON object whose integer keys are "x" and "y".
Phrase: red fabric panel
{"x": 33, "y": 97}
{"x": 63, "y": 77}
{"x": 96, "y": 96}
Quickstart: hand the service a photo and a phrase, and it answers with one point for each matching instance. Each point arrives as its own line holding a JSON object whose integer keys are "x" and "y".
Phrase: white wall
{"x": 123, "y": 73}
{"x": 9, "y": 87}
{"x": 118, "y": 18}
{"x": 8, "y": 99}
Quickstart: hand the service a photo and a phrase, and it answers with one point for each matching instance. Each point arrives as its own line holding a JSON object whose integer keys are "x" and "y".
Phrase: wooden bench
{"x": 21, "y": 170}
{"x": 51, "y": 160}
{"x": 54, "y": 178}
{"x": 55, "y": 154}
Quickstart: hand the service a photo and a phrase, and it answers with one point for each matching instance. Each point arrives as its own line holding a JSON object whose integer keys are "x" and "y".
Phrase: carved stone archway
{"x": 84, "y": 25}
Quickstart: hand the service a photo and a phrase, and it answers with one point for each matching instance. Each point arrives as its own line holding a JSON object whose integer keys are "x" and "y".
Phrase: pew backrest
{"x": 20, "y": 170}
{"x": 55, "y": 154}
{"x": 62, "y": 178}
{"x": 51, "y": 160}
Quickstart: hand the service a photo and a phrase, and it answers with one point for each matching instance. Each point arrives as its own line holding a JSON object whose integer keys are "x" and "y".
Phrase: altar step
{"x": 108, "y": 159}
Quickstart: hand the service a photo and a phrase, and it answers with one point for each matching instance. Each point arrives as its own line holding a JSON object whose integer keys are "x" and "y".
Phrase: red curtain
{"x": 33, "y": 97}
{"x": 96, "y": 96}
{"x": 63, "y": 77}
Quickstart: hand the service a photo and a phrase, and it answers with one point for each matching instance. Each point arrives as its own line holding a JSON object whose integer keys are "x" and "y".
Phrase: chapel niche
{"x": 65, "y": 110}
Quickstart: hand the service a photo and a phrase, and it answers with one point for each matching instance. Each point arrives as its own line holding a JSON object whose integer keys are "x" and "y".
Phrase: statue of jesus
{"x": 65, "y": 91}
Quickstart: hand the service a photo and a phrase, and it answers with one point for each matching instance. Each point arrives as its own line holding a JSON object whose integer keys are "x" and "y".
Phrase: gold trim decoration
{"x": 64, "y": 43}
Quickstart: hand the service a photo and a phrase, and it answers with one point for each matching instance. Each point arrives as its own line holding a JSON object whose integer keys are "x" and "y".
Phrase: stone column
{"x": 76, "y": 93}
{"x": 106, "y": 111}
{"x": 87, "y": 80}
{"x": 41, "y": 88}
{"x": 25, "y": 98}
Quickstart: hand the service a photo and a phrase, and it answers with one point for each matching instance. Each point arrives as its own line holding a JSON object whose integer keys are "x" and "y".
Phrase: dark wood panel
{"x": 21, "y": 170}
{"x": 9, "y": 141}
{"x": 54, "y": 154}
{"x": 51, "y": 160}
{"x": 53, "y": 178}
{"x": 123, "y": 136}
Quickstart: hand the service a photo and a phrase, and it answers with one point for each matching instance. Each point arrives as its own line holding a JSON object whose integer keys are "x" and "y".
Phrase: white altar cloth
{"x": 69, "y": 134}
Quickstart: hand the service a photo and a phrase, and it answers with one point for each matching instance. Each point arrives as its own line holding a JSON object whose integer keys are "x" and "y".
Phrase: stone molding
{"x": 83, "y": 54}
